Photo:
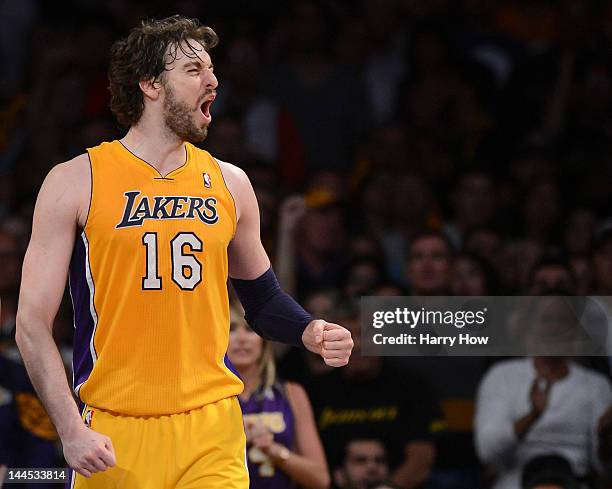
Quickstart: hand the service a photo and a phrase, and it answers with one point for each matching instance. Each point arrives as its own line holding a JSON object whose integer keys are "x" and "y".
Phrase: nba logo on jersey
{"x": 88, "y": 417}
{"x": 207, "y": 182}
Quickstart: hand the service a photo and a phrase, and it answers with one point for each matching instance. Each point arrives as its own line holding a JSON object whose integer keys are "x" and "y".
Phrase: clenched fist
{"x": 331, "y": 341}
{"x": 87, "y": 451}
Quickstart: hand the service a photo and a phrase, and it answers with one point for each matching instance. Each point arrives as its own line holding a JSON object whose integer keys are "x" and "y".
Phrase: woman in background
{"x": 283, "y": 446}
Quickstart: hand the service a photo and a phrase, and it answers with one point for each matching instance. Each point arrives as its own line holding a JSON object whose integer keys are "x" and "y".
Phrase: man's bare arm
{"x": 42, "y": 286}
{"x": 247, "y": 257}
{"x": 59, "y": 209}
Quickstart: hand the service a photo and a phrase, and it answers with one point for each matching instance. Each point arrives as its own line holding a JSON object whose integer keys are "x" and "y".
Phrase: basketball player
{"x": 149, "y": 228}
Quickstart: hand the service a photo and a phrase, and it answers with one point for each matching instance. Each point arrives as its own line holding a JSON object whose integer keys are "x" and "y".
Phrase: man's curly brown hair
{"x": 145, "y": 54}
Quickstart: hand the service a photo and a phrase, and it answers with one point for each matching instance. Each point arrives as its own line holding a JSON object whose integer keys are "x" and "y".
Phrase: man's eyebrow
{"x": 190, "y": 64}
{"x": 196, "y": 64}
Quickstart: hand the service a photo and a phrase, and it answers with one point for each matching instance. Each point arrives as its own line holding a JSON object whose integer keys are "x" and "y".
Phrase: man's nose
{"x": 211, "y": 81}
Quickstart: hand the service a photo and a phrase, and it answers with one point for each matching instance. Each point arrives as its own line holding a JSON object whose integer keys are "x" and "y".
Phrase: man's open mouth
{"x": 205, "y": 107}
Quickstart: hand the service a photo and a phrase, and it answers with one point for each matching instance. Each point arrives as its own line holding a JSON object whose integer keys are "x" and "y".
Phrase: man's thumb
{"x": 318, "y": 328}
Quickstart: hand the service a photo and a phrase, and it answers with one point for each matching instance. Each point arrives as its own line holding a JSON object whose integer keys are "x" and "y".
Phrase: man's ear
{"x": 151, "y": 88}
{"x": 339, "y": 477}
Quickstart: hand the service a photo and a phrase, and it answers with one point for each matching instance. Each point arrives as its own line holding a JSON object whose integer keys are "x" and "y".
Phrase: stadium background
{"x": 489, "y": 120}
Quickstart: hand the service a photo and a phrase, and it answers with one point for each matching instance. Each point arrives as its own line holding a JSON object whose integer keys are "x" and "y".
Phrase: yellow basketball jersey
{"x": 148, "y": 283}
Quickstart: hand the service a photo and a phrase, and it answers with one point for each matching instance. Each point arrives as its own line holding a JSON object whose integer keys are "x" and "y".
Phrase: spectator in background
{"x": 283, "y": 447}
{"x": 539, "y": 406}
{"x": 428, "y": 264}
{"x": 371, "y": 400}
{"x": 364, "y": 465}
{"x": 320, "y": 243}
{"x": 552, "y": 275}
{"x": 529, "y": 407}
{"x": 312, "y": 235}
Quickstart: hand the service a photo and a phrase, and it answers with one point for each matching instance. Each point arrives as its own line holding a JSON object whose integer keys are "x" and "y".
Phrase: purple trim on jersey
{"x": 84, "y": 324}
{"x": 68, "y": 484}
{"x": 230, "y": 366}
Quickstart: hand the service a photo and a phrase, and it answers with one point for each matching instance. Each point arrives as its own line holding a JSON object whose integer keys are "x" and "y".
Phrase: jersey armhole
{"x": 91, "y": 190}
{"x": 229, "y": 192}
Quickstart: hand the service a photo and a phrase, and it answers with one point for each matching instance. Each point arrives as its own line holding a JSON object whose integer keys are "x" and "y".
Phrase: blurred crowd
{"x": 396, "y": 147}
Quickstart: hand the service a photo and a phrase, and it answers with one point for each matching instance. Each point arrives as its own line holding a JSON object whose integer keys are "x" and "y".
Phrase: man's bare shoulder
{"x": 68, "y": 186}
{"x": 74, "y": 171}
{"x": 233, "y": 174}
{"x": 238, "y": 184}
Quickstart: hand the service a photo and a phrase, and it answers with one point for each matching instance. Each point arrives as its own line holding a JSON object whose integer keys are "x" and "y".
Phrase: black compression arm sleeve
{"x": 270, "y": 312}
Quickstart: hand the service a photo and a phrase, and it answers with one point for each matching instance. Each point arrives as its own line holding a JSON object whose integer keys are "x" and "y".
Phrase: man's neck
{"x": 153, "y": 144}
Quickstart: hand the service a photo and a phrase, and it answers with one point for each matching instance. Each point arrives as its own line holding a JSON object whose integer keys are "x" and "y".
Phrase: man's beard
{"x": 178, "y": 117}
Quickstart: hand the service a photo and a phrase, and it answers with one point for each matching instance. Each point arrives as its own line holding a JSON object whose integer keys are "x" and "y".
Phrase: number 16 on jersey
{"x": 186, "y": 269}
